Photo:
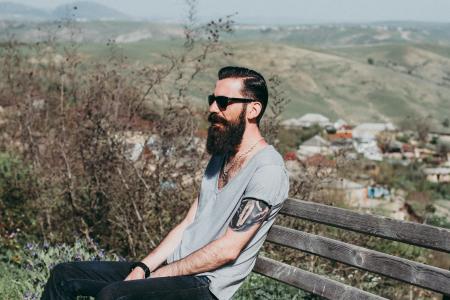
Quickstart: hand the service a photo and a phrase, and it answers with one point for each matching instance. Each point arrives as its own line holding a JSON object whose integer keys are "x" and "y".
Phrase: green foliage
{"x": 438, "y": 190}
{"x": 27, "y": 272}
{"x": 403, "y": 138}
{"x": 13, "y": 177}
{"x": 434, "y": 140}
{"x": 446, "y": 123}
{"x": 398, "y": 249}
{"x": 261, "y": 287}
{"x": 11, "y": 280}
{"x": 16, "y": 186}
{"x": 439, "y": 221}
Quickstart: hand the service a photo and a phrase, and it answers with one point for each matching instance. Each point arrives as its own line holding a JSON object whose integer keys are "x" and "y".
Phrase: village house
{"x": 438, "y": 175}
{"x": 369, "y": 149}
{"x": 341, "y": 124}
{"x": 307, "y": 121}
{"x": 341, "y": 146}
{"x": 397, "y": 153}
{"x": 441, "y": 134}
{"x": 366, "y": 132}
{"x": 340, "y": 135}
{"x": 315, "y": 145}
{"x": 352, "y": 193}
{"x": 408, "y": 151}
{"x": 365, "y": 139}
{"x": 423, "y": 154}
{"x": 377, "y": 191}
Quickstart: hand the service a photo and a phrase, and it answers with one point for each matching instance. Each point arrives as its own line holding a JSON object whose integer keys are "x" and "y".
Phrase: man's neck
{"x": 251, "y": 136}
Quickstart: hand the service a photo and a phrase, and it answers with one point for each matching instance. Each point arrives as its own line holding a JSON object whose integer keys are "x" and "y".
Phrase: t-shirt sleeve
{"x": 270, "y": 184}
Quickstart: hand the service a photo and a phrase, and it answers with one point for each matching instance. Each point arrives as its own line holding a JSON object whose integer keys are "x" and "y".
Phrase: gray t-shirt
{"x": 264, "y": 177}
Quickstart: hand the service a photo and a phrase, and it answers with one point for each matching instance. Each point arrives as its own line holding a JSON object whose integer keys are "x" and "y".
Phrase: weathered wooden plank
{"x": 412, "y": 233}
{"x": 415, "y": 273}
{"x": 310, "y": 282}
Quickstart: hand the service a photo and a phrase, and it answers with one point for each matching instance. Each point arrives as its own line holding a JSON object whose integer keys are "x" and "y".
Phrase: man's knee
{"x": 60, "y": 269}
{"x": 62, "y": 274}
{"x": 112, "y": 291}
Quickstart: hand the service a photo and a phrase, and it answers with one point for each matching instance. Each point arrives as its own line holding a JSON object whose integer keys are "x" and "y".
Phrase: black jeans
{"x": 104, "y": 280}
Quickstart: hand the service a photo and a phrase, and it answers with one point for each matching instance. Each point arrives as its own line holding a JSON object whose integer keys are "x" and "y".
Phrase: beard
{"x": 225, "y": 138}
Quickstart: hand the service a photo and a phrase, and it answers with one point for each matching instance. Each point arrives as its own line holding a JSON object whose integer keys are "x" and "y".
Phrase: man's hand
{"x": 137, "y": 273}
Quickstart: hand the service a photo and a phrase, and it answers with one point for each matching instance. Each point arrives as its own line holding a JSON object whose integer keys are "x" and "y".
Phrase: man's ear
{"x": 254, "y": 110}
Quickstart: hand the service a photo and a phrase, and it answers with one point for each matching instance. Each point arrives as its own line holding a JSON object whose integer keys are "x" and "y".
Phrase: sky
{"x": 281, "y": 11}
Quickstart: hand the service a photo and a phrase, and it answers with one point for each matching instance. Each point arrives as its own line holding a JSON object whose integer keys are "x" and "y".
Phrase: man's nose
{"x": 213, "y": 107}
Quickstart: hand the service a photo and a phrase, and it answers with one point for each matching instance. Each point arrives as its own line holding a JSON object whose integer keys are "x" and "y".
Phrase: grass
{"x": 261, "y": 287}
{"x": 11, "y": 278}
{"x": 147, "y": 51}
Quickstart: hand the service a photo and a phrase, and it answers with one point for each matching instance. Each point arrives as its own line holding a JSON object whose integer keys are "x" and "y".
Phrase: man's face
{"x": 226, "y": 126}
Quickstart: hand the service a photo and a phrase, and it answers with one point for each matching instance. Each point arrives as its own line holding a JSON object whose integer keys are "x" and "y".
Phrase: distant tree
{"x": 423, "y": 128}
{"x": 434, "y": 140}
{"x": 420, "y": 125}
{"x": 442, "y": 150}
{"x": 446, "y": 123}
{"x": 370, "y": 61}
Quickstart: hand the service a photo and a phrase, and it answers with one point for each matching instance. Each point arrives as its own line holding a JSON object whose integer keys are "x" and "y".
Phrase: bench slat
{"x": 415, "y": 273}
{"x": 412, "y": 233}
{"x": 310, "y": 282}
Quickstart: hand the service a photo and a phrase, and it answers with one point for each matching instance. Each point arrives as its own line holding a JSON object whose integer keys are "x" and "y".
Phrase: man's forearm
{"x": 210, "y": 257}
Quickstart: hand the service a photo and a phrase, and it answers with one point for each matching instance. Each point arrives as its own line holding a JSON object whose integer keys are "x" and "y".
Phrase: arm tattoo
{"x": 250, "y": 212}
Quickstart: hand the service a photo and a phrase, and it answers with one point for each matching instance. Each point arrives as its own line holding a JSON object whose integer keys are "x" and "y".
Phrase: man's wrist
{"x": 142, "y": 266}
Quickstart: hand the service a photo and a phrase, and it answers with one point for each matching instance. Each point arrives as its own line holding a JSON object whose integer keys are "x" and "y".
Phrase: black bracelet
{"x": 142, "y": 266}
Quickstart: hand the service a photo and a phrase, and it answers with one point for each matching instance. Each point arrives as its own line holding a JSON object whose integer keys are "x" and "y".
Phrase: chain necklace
{"x": 226, "y": 171}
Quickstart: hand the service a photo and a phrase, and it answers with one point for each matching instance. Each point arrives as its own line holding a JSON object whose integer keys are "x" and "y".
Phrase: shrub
{"x": 16, "y": 188}
{"x": 25, "y": 275}
{"x": 439, "y": 221}
{"x": 70, "y": 121}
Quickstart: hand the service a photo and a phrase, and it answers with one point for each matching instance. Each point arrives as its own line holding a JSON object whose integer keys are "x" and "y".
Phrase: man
{"x": 211, "y": 252}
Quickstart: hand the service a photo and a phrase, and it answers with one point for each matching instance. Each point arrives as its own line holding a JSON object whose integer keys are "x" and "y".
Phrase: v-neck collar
{"x": 246, "y": 165}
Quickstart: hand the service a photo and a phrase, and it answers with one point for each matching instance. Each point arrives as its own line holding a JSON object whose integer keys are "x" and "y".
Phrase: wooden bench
{"x": 418, "y": 274}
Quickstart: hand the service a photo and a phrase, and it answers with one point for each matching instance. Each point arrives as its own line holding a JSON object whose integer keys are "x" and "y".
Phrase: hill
{"x": 344, "y": 35}
{"x": 345, "y": 85}
{"x": 80, "y": 10}
{"x": 88, "y": 11}
{"x": 339, "y": 75}
{"x": 15, "y": 11}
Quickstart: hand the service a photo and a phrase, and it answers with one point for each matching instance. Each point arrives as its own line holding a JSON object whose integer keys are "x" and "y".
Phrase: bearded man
{"x": 210, "y": 253}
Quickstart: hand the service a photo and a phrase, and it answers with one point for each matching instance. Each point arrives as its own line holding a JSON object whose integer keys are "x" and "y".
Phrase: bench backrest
{"x": 418, "y": 274}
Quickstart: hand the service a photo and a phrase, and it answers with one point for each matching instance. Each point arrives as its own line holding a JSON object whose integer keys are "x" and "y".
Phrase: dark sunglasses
{"x": 223, "y": 101}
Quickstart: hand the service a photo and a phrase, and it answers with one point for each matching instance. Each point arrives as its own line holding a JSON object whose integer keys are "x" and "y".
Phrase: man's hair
{"x": 254, "y": 85}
